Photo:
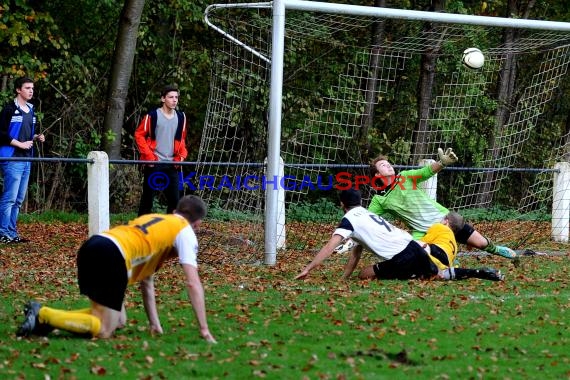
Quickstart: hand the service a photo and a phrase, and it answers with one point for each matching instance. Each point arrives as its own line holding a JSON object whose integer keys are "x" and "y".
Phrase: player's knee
{"x": 109, "y": 319}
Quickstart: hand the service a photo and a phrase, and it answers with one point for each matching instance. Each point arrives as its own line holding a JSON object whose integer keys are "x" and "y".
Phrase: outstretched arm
{"x": 196, "y": 294}
{"x": 323, "y": 254}
{"x": 149, "y": 301}
{"x": 353, "y": 260}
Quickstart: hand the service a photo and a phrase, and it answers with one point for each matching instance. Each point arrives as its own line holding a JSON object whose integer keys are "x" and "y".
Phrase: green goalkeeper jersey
{"x": 409, "y": 202}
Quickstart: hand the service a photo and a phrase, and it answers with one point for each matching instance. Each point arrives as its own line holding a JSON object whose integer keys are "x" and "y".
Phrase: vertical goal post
{"x": 275, "y": 61}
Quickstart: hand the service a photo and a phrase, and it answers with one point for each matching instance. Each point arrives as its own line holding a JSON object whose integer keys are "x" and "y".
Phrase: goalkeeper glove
{"x": 447, "y": 158}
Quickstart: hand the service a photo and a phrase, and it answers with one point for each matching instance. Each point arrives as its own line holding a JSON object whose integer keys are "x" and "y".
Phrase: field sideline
{"x": 270, "y": 326}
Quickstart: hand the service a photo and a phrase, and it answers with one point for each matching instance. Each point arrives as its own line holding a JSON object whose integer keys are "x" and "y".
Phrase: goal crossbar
{"x": 359, "y": 10}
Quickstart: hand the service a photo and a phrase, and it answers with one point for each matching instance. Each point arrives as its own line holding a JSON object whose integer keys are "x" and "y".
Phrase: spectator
{"x": 17, "y": 136}
{"x": 161, "y": 137}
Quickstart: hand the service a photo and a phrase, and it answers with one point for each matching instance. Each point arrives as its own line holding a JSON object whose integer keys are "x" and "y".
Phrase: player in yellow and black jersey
{"x": 441, "y": 240}
{"x": 107, "y": 263}
{"x": 441, "y": 247}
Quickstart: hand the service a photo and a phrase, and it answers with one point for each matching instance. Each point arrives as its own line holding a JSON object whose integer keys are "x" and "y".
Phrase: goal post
{"x": 274, "y": 133}
{"x": 331, "y": 126}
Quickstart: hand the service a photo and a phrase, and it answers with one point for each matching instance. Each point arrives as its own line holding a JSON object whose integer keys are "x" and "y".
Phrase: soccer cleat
{"x": 28, "y": 327}
{"x": 345, "y": 247}
{"x": 505, "y": 252}
{"x": 41, "y": 329}
{"x": 490, "y": 274}
{"x": 530, "y": 252}
{"x": 5, "y": 239}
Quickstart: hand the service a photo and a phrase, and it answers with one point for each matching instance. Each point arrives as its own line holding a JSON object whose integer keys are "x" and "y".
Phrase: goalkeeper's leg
{"x": 468, "y": 235}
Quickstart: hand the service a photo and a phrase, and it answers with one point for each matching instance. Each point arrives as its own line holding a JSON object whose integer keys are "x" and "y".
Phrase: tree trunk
{"x": 121, "y": 70}
{"x": 372, "y": 84}
{"x": 4, "y": 85}
{"x": 425, "y": 90}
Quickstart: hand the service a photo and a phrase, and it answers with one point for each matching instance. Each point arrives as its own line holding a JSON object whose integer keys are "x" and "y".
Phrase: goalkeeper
{"x": 416, "y": 209}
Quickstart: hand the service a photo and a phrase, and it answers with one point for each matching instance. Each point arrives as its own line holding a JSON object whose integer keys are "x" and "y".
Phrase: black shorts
{"x": 101, "y": 272}
{"x": 439, "y": 254}
{"x": 412, "y": 262}
{"x": 463, "y": 234}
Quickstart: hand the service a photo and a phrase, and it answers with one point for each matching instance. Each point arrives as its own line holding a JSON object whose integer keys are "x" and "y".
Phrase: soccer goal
{"x": 304, "y": 94}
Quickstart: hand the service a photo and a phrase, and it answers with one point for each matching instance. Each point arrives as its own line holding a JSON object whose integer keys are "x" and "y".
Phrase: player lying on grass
{"x": 401, "y": 257}
{"x": 107, "y": 263}
{"x": 402, "y": 199}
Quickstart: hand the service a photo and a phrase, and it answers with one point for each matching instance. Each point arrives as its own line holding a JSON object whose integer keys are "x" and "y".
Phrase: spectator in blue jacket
{"x": 17, "y": 136}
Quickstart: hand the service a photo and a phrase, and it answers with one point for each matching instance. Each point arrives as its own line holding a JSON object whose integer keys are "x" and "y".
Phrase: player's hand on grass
{"x": 207, "y": 335}
{"x": 156, "y": 330}
{"x": 302, "y": 275}
{"x": 446, "y": 158}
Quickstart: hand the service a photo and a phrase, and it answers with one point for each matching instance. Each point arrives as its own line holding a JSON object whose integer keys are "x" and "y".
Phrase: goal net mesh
{"x": 355, "y": 87}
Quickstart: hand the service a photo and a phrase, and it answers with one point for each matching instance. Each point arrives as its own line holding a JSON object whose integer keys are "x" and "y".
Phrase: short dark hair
{"x": 455, "y": 221}
{"x": 350, "y": 198}
{"x": 192, "y": 208}
{"x": 379, "y": 158}
{"x": 18, "y": 83}
{"x": 168, "y": 88}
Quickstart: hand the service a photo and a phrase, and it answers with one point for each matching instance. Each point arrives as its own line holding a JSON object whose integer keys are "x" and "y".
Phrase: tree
{"x": 29, "y": 38}
{"x": 121, "y": 70}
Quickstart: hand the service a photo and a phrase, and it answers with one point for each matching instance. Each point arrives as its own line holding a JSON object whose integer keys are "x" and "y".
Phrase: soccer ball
{"x": 473, "y": 58}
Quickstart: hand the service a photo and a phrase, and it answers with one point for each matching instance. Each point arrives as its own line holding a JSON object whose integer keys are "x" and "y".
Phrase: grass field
{"x": 270, "y": 326}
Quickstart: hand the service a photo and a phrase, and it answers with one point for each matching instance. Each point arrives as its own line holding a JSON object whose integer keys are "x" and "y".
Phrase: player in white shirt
{"x": 401, "y": 257}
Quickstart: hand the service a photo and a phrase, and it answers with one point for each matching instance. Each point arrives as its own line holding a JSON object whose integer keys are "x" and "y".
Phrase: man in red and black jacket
{"x": 161, "y": 137}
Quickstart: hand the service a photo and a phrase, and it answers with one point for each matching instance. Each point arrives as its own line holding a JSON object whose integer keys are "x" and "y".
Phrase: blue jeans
{"x": 16, "y": 175}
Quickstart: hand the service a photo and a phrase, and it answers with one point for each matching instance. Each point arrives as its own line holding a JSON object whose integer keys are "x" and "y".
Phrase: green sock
{"x": 491, "y": 248}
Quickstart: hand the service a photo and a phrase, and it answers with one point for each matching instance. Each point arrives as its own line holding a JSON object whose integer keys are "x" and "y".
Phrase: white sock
{"x": 448, "y": 274}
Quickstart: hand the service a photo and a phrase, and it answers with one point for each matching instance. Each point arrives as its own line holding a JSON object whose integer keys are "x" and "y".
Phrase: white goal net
{"x": 356, "y": 86}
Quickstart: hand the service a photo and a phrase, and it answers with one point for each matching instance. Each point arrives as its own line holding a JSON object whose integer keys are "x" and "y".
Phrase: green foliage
{"x": 122, "y": 218}
{"x": 53, "y": 216}
{"x": 29, "y": 37}
{"x": 56, "y": 216}
{"x": 498, "y": 213}
{"x": 323, "y": 210}
{"x": 217, "y": 211}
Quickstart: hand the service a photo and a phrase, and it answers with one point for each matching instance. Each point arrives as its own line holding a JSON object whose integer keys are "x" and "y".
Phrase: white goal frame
{"x": 279, "y": 8}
